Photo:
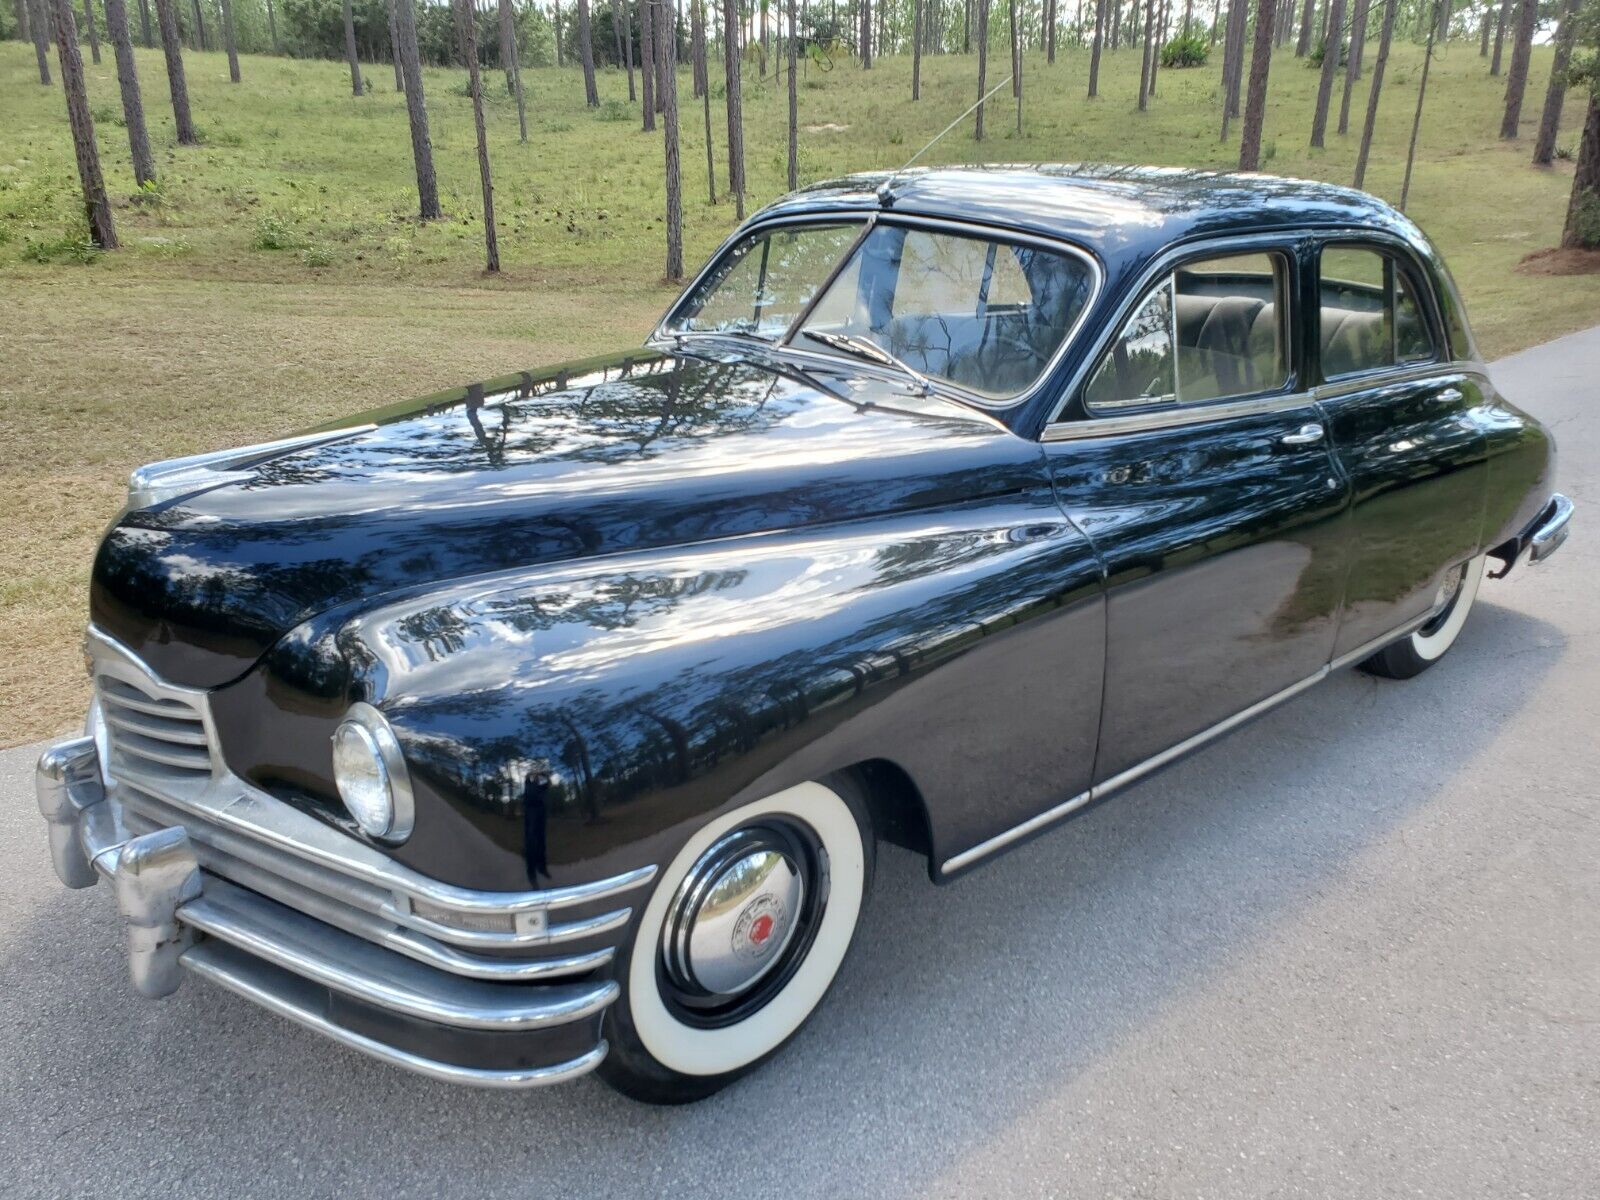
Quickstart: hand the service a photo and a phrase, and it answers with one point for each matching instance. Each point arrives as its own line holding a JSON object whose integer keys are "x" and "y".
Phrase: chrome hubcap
{"x": 742, "y": 922}
{"x": 1445, "y": 598}
{"x": 734, "y": 915}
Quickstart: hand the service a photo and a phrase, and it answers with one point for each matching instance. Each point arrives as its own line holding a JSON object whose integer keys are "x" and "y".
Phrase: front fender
{"x": 573, "y": 720}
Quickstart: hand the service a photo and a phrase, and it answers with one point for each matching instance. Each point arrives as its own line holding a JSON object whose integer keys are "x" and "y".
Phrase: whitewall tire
{"x": 1414, "y": 654}
{"x": 740, "y": 940}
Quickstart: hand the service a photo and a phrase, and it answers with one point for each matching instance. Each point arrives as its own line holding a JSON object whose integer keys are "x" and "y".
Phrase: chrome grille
{"x": 158, "y": 747}
{"x": 152, "y": 735}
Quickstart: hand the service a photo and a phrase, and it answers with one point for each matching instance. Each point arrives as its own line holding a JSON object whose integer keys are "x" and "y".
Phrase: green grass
{"x": 278, "y": 277}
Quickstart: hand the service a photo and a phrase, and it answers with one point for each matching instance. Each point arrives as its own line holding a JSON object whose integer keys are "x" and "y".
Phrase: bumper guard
{"x": 179, "y": 917}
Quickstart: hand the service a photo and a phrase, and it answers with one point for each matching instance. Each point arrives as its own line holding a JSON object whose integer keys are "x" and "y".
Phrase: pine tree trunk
{"x": 1330, "y": 64}
{"x": 1303, "y": 46}
{"x": 866, "y": 35}
{"x": 1144, "y": 54}
{"x": 1384, "y": 40}
{"x": 167, "y": 19}
{"x": 1255, "y": 106}
{"x": 697, "y": 46}
{"x": 272, "y": 30}
{"x": 24, "y": 25}
{"x": 94, "y": 35}
{"x": 1352, "y": 67}
{"x": 469, "y": 33}
{"x": 350, "y": 48}
{"x": 405, "y": 26}
{"x": 794, "y": 99}
{"x": 1500, "y": 24}
{"x": 1232, "y": 63}
{"x": 144, "y": 166}
{"x": 1016, "y": 64}
{"x": 665, "y": 56}
{"x": 43, "y": 31}
{"x": 1094, "y": 48}
{"x": 730, "y": 65}
{"x": 916, "y": 49}
{"x": 1483, "y": 33}
{"x": 228, "y": 42}
{"x": 199, "y": 28}
{"x": 1585, "y": 183}
{"x": 1544, "y": 150}
{"x": 508, "y": 47}
{"x": 394, "y": 52}
{"x": 591, "y": 94}
{"x": 667, "y": 89}
{"x": 711, "y": 160}
{"x": 616, "y": 29}
{"x": 96, "y": 204}
{"x": 982, "y": 33}
{"x": 647, "y": 58}
{"x": 1236, "y": 85}
{"x": 1517, "y": 77}
{"x": 1416, "y": 121}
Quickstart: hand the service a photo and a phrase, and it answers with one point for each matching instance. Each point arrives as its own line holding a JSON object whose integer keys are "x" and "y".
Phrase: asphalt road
{"x": 1351, "y": 951}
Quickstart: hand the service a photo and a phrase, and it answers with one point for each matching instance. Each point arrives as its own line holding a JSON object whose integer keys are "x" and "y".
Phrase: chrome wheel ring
{"x": 741, "y": 922}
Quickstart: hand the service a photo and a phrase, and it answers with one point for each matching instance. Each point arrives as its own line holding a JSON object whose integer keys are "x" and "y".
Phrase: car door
{"x": 1402, "y": 417}
{"x": 1200, "y": 469}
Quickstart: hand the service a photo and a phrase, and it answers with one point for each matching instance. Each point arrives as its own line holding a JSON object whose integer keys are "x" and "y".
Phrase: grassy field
{"x": 278, "y": 277}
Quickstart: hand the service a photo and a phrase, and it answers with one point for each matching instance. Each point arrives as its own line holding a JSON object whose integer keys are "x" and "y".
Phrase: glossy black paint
{"x": 601, "y": 602}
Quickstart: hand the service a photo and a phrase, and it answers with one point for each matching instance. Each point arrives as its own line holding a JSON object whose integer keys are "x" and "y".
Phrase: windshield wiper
{"x": 862, "y": 348}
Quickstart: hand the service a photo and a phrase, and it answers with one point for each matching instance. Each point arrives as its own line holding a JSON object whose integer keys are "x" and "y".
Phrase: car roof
{"x": 1116, "y": 211}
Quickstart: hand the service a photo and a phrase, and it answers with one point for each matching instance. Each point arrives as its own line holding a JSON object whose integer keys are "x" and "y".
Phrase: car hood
{"x": 598, "y": 457}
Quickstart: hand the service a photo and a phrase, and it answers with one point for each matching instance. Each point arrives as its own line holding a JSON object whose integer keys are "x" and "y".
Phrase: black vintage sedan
{"x": 552, "y": 723}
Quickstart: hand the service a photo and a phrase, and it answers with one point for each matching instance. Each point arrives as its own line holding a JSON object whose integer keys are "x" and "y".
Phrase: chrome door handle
{"x": 1450, "y": 395}
{"x": 1306, "y": 435}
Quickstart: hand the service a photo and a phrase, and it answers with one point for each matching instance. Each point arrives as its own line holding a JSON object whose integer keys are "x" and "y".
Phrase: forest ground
{"x": 278, "y": 277}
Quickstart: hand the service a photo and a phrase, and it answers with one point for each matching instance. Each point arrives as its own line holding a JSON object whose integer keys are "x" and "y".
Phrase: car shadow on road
{"x": 959, "y": 1009}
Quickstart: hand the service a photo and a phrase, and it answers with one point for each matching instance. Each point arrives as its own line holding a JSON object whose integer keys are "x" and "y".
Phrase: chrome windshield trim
{"x": 661, "y": 336}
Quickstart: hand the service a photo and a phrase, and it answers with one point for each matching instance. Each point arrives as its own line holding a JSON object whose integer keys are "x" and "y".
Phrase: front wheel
{"x": 1415, "y": 654}
{"x": 741, "y": 939}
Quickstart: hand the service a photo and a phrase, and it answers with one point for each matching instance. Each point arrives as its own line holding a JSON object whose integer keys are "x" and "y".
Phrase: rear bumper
{"x": 183, "y": 918}
{"x": 1542, "y": 538}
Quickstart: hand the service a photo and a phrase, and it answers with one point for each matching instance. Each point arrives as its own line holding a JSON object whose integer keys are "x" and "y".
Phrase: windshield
{"x": 985, "y": 314}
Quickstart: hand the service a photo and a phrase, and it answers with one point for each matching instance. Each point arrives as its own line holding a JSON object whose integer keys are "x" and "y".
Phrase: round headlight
{"x": 371, "y": 775}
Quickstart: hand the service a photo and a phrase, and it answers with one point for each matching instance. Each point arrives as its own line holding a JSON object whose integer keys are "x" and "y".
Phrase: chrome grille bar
{"x": 162, "y": 769}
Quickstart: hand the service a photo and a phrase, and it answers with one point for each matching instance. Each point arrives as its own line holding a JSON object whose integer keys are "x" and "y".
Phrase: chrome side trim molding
{"x": 1139, "y": 770}
{"x": 1157, "y": 761}
{"x": 1001, "y": 840}
{"x": 252, "y": 979}
{"x": 1350, "y": 657}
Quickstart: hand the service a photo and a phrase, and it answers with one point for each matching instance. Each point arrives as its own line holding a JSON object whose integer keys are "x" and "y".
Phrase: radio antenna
{"x": 885, "y": 196}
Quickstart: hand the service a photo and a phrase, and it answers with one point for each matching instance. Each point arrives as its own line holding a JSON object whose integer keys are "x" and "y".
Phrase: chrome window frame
{"x": 661, "y": 337}
{"x": 1396, "y": 248}
{"x": 1284, "y": 242}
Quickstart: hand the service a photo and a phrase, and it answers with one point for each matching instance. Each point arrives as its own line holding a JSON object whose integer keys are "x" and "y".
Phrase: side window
{"x": 1370, "y": 315}
{"x": 1214, "y": 329}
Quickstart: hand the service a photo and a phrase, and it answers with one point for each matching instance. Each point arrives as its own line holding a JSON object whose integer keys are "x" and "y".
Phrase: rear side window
{"x": 1370, "y": 316}
{"x": 1214, "y": 329}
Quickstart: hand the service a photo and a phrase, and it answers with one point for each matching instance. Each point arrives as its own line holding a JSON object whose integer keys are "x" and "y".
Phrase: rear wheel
{"x": 1415, "y": 654}
{"x": 739, "y": 942}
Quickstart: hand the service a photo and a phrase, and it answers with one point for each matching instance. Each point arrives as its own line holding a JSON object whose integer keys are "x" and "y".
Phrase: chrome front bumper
{"x": 181, "y": 915}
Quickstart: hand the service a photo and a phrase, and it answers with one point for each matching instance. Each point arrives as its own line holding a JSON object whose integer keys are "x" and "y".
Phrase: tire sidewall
{"x": 654, "y": 1056}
